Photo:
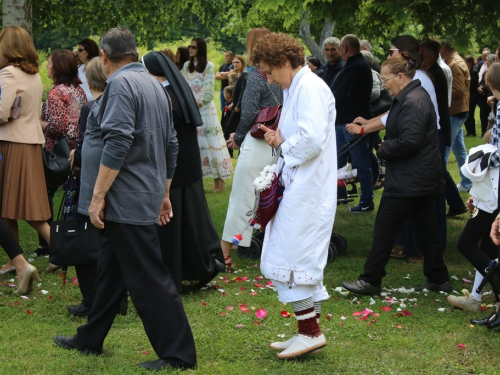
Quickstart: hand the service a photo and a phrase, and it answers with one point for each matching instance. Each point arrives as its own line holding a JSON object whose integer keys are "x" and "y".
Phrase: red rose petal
{"x": 259, "y": 278}
{"x": 385, "y": 308}
{"x": 28, "y": 312}
{"x": 261, "y": 313}
{"x": 203, "y": 303}
{"x": 461, "y": 346}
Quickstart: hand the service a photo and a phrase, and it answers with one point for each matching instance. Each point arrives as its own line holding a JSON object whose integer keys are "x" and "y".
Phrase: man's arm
{"x": 166, "y": 212}
{"x": 105, "y": 179}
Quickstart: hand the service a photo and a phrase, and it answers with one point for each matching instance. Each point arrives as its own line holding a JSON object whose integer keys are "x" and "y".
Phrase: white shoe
{"x": 283, "y": 344}
{"x": 462, "y": 189}
{"x": 302, "y": 345}
{"x": 466, "y": 302}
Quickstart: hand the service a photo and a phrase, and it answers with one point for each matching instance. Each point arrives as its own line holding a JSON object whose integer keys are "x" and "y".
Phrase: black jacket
{"x": 328, "y": 72}
{"x": 411, "y": 148}
{"x": 441, "y": 88}
{"x": 352, "y": 90}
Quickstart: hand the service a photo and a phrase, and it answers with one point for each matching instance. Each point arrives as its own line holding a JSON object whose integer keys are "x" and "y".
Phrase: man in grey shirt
{"x": 126, "y": 176}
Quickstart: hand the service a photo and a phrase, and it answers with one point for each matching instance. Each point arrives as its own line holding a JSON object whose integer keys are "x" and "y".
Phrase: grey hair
{"x": 119, "y": 44}
{"x": 491, "y": 57}
{"x": 368, "y": 57}
{"x": 332, "y": 40}
{"x": 365, "y": 43}
{"x": 94, "y": 74}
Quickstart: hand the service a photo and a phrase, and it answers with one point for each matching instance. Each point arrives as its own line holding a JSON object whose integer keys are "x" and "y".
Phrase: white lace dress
{"x": 215, "y": 159}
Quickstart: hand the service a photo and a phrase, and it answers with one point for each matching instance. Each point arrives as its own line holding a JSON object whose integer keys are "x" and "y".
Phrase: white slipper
{"x": 302, "y": 345}
{"x": 282, "y": 345}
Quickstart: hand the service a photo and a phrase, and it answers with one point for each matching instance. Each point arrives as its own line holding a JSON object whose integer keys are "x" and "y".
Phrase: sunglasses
{"x": 192, "y": 47}
{"x": 392, "y": 50}
{"x": 81, "y": 49}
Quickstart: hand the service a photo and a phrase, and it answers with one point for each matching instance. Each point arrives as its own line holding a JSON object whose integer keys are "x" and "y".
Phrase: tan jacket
{"x": 461, "y": 82}
{"x": 25, "y": 129}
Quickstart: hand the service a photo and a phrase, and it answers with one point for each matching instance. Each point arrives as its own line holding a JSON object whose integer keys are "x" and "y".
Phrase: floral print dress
{"x": 215, "y": 159}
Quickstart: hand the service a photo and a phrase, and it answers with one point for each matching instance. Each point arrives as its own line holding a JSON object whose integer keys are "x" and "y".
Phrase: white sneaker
{"x": 282, "y": 345}
{"x": 466, "y": 302}
{"x": 302, "y": 345}
{"x": 462, "y": 189}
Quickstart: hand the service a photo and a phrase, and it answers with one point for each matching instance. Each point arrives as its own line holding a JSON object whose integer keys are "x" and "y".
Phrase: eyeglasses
{"x": 388, "y": 78}
{"x": 81, "y": 49}
{"x": 392, "y": 50}
{"x": 192, "y": 47}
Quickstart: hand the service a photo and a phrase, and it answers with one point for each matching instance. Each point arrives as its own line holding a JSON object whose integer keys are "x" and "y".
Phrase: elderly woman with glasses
{"x": 412, "y": 183}
{"x": 296, "y": 243}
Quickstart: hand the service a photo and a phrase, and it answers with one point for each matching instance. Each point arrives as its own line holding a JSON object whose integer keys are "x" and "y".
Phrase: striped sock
{"x": 306, "y": 317}
{"x": 317, "y": 309}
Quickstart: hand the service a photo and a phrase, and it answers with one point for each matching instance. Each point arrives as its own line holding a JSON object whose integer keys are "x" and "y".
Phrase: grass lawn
{"x": 230, "y": 341}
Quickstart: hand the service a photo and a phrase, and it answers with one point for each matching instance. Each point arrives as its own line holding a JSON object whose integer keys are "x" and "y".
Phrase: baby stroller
{"x": 346, "y": 192}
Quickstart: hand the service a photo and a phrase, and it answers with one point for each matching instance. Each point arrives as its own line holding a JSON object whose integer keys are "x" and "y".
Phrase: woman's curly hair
{"x": 404, "y": 63}
{"x": 276, "y": 49}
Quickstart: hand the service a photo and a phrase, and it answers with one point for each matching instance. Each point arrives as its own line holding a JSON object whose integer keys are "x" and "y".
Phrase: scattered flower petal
{"x": 259, "y": 278}
{"x": 454, "y": 277}
{"x": 145, "y": 353}
{"x": 385, "y": 308}
{"x": 239, "y": 326}
{"x": 441, "y": 309}
{"x": 461, "y": 346}
{"x": 44, "y": 292}
{"x": 203, "y": 303}
{"x": 261, "y": 313}
{"x": 467, "y": 281}
{"x": 25, "y": 298}
{"x": 285, "y": 314}
{"x": 229, "y": 308}
{"x": 28, "y": 312}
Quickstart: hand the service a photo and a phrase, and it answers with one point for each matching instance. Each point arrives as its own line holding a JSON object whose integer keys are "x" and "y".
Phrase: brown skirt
{"x": 23, "y": 194}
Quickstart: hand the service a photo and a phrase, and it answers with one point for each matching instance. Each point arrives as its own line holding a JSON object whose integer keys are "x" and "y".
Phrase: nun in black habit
{"x": 190, "y": 244}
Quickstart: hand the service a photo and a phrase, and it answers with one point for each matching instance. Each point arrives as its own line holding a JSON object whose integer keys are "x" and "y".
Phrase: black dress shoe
{"x": 485, "y": 321}
{"x": 66, "y": 342}
{"x": 79, "y": 310}
{"x": 494, "y": 322}
{"x": 446, "y": 287}
{"x": 219, "y": 267}
{"x": 69, "y": 342}
{"x": 456, "y": 212}
{"x": 41, "y": 251}
{"x": 361, "y": 287}
{"x": 160, "y": 364}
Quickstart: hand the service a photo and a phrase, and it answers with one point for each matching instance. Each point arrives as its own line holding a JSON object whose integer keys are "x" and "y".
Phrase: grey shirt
{"x": 130, "y": 129}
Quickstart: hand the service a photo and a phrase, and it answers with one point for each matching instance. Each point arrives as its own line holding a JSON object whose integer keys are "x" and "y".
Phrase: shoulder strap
{"x": 262, "y": 74}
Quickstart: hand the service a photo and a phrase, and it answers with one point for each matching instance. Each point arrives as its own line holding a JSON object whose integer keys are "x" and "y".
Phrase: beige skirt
{"x": 23, "y": 194}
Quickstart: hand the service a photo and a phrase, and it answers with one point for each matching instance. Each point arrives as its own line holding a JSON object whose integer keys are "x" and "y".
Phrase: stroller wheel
{"x": 340, "y": 243}
{"x": 253, "y": 251}
{"x": 259, "y": 235}
{"x": 332, "y": 253}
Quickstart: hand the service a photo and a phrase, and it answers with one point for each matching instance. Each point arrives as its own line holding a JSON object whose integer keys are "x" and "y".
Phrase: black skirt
{"x": 190, "y": 243}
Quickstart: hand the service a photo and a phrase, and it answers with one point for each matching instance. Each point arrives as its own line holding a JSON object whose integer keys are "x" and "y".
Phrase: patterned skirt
{"x": 215, "y": 159}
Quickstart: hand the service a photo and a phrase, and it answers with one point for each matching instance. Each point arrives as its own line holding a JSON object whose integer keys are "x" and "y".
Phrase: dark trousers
{"x": 452, "y": 195}
{"x": 135, "y": 250}
{"x": 87, "y": 275}
{"x": 391, "y": 214}
{"x": 484, "y": 112}
{"x": 8, "y": 241}
{"x": 470, "y": 123}
{"x": 478, "y": 229}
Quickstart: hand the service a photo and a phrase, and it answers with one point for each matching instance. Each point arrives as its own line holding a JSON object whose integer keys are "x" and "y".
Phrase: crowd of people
{"x": 145, "y": 131}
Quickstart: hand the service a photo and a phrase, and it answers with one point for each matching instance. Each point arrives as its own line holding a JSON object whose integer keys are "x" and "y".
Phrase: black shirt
{"x": 328, "y": 72}
{"x": 225, "y": 68}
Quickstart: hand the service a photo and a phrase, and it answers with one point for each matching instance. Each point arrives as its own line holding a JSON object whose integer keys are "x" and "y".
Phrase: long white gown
{"x": 296, "y": 243}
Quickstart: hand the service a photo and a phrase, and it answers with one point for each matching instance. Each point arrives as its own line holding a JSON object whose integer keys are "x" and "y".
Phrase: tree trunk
{"x": 305, "y": 34}
{"x": 17, "y": 13}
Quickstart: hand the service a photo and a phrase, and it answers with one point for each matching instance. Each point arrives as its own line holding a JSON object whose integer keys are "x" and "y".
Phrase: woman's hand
{"x": 491, "y": 100}
{"x": 44, "y": 125}
{"x": 272, "y": 137}
{"x": 494, "y": 235}
{"x": 230, "y": 106}
{"x": 353, "y": 128}
{"x": 237, "y": 110}
{"x": 470, "y": 204}
{"x": 360, "y": 120}
{"x": 480, "y": 90}
{"x": 231, "y": 143}
{"x": 71, "y": 157}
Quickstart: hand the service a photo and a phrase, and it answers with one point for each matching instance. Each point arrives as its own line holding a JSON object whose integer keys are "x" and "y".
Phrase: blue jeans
{"x": 360, "y": 160}
{"x": 222, "y": 101}
{"x": 458, "y": 145}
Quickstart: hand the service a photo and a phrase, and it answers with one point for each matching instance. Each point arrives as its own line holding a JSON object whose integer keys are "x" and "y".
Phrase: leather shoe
{"x": 66, "y": 342}
{"x": 494, "y": 322}
{"x": 446, "y": 287}
{"x": 361, "y": 287}
{"x": 41, "y": 251}
{"x": 456, "y": 212}
{"x": 7, "y": 271}
{"x": 69, "y": 342}
{"x": 160, "y": 364}
{"x": 485, "y": 321}
{"x": 79, "y": 310}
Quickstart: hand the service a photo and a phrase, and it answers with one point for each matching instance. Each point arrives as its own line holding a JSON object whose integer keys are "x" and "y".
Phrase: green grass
{"x": 423, "y": 343}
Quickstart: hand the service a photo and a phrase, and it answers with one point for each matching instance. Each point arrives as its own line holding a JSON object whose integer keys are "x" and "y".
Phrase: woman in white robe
{"x": 296, "y": 242}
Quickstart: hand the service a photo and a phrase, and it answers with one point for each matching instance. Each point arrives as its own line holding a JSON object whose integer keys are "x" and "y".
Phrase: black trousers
{"x": 87, "y": 275}
{"x": 391, "y": 214}
{"x": 130, "y": 260}
{"x": 478, "y": 229}
{"x": 8, "y": 241}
